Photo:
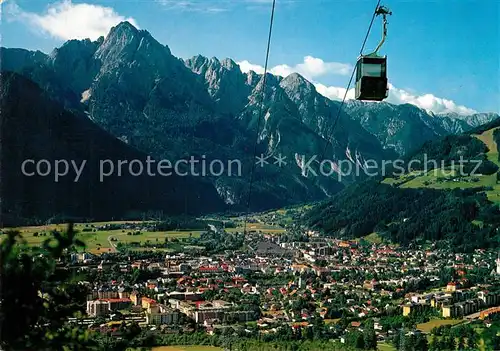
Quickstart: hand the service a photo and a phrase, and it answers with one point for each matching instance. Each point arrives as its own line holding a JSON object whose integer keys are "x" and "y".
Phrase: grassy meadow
{"x": 102, "y": 241}
{"x": 99, "y": 241}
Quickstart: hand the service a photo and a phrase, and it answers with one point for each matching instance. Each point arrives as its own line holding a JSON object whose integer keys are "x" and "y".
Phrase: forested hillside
{"x": 462, "y": 219}
{"x": 458, "y": 209}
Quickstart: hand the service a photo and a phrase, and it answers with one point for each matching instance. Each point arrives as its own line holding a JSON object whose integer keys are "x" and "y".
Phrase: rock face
{"x": 135, "y": 89}
{"x": 400, "y": 128}
{"x": 455, "y": 123}
{"x": 224, "y": 82}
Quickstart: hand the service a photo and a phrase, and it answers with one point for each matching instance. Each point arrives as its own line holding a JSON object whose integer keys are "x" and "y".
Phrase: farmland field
{"x": 385, "y": 347}
{"x": 427, "y": 327}
{"x": 182, "y": 348}
{"x": 99, "y": 241}
{"x": 187, "y": 348}
{"x": 260, "y": 227}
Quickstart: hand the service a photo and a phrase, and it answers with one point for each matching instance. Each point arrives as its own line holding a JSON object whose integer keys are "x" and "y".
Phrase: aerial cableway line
{"x": 371, "y": 84}
{"x": 370, "y": 71}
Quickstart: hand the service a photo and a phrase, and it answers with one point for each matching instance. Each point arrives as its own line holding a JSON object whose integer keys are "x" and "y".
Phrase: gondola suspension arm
{"x": 384, "y": 11}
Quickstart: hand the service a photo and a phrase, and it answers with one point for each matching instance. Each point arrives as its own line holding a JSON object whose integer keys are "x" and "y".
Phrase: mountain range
{"x": 131, "y": 88}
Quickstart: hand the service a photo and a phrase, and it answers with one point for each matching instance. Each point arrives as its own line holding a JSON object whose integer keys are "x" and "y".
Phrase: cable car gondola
{"x": 371, "y": 69}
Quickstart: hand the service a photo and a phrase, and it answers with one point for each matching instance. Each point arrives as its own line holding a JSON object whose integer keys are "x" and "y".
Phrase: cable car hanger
{"x": 384, "y": 11}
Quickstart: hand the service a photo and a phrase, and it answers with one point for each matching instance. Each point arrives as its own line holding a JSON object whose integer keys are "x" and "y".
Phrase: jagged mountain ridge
{"x": 466, "y": 123}
{"x": 133, "y": 87}
{"x": 404, "y": 128}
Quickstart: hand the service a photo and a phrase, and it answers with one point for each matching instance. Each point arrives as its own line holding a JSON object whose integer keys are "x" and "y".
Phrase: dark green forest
{"x": 404, "y": 215}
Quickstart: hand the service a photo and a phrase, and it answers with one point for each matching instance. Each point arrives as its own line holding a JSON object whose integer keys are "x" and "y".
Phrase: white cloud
{"x": 311, "y": 68}
{"x": 314, "y": 67}
{"x": 215, "y": 6}
{"x": 282, "y": 70}
{"x": 193, "y": 5}
{"x": 334, "y": 93}
{"x": 66, "y": 20}
{"x": 246, "y": 67}
{"x": 427, "y": 102}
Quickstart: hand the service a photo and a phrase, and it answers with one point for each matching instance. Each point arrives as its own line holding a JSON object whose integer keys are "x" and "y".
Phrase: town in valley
{"x": 276, "y": 281}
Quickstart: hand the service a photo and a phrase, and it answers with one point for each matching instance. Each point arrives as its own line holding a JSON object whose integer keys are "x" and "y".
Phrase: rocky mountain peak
{"x": 75, "y": 47}
{"x": 124, "y": 28}
{"x": 272, "y": 81}
{"x": 197, "y": 63}
{"x": 214, "y": 60}
{"x": 252, "y": 79}
{"x": 224, "y": 81}
{"x": 229, "y": 64}
{"x": 127, "y": 43}
{"x": 169, "y": 107}
{"x": 296, "y": 80}
{"x": 474, "y": 120}
{"x": 20, "y": 59}
{"x": 201, "y": 65}
{"x": 297, "y": 87}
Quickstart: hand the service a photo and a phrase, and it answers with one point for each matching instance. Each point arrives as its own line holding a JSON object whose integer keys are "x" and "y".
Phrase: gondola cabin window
{"x": 371, "y": 78}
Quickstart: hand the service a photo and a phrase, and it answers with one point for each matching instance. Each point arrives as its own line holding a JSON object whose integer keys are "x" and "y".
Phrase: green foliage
{"x": 38, "y": 297}
{"x": 483, "y": 128}
{"x": 180, "y": 222}
{"x": 461, "y": 337}
{"x": 410, "y": 341}
{"x": 219, "y": 241}
{"x": 230, "y": 338}
{"x": 452, "y": 149}
{"x": 491, "y": 335}
{"x": 362, "y": 340}
{"x": 369, "y": 336}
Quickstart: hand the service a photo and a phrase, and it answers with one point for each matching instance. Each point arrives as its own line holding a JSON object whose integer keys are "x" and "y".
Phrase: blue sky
{"x": 447, "y": 49}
